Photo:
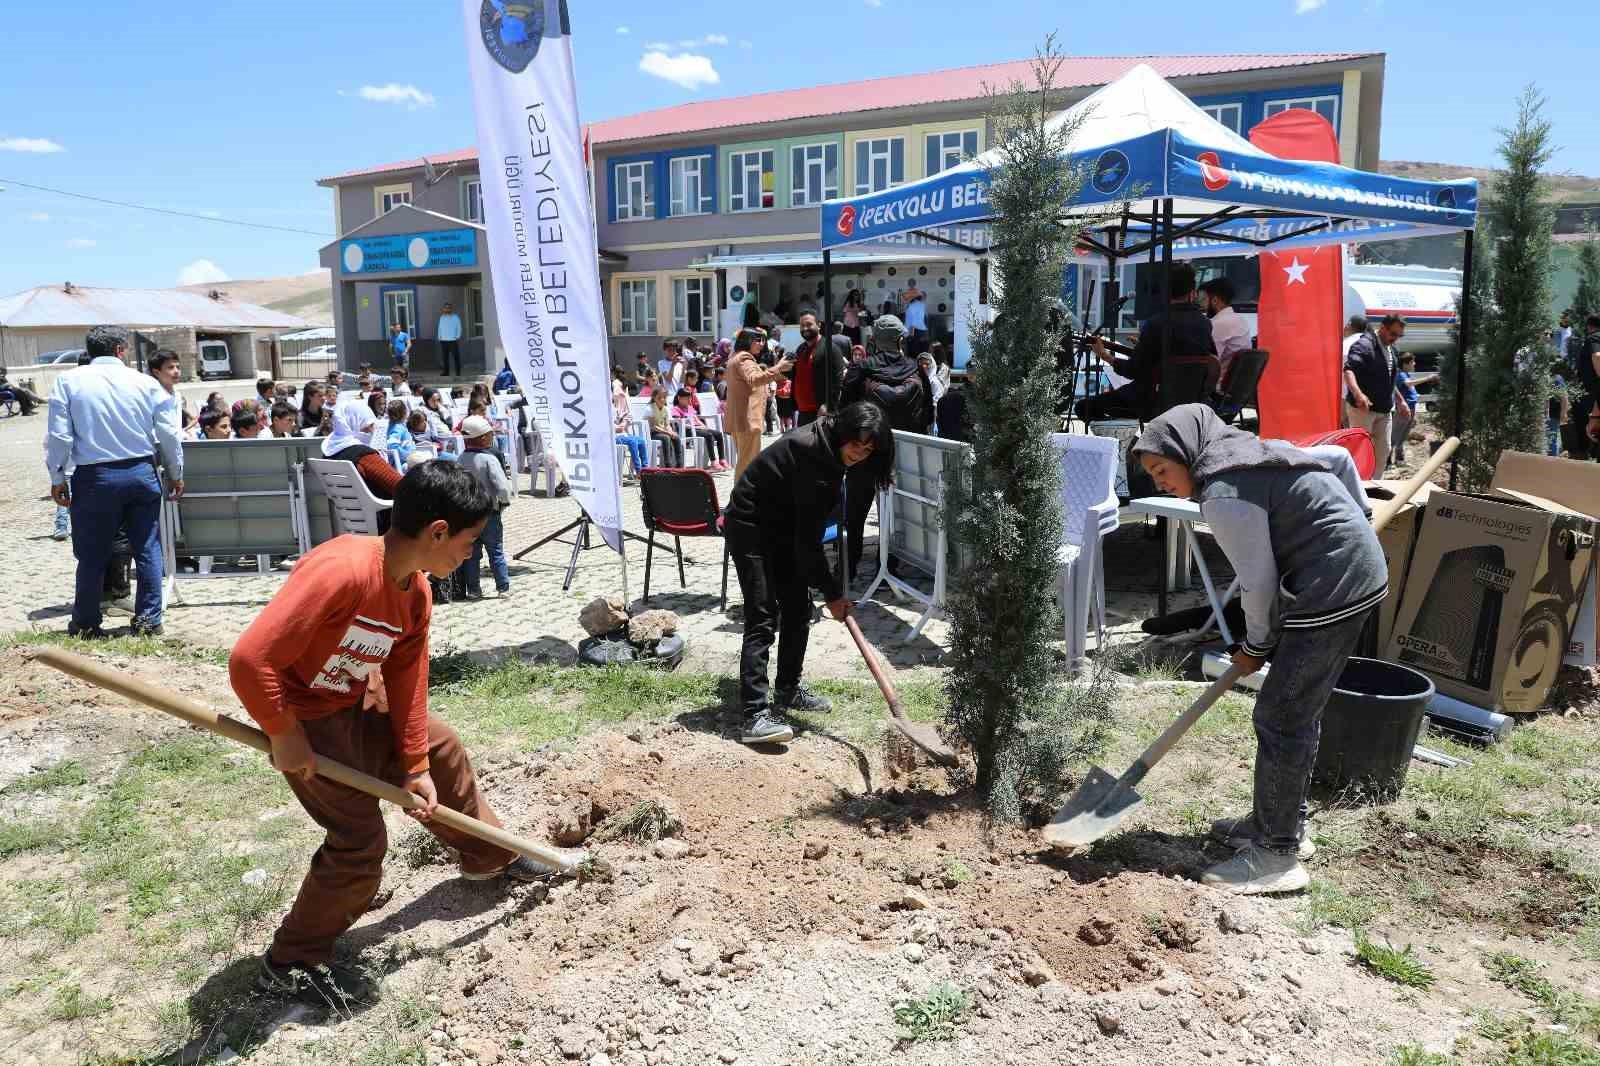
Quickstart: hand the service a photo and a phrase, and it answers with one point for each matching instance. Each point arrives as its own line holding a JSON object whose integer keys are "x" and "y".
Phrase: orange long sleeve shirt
{"x": 309, "y": 653}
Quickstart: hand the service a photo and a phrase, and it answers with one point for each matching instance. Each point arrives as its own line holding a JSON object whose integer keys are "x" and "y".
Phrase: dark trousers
{"x": 449, "y": 350}
{"x": 713, "y": 441}
{"x": 1121, "y": 402}
{"x": 1288, "y": 721}
{"x": 671, "y": 449}
{"x": 108, "y": 498}
{"x": 777, "y": 603}
{"x": 347, "y": 869}
{"x": 804, "y": 418}
{"x": 916, "y": 342}
{"x": 859, "y": 492}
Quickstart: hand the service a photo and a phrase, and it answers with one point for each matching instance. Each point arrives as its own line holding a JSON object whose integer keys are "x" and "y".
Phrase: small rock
{"x": 601, "y": 1059}
{"x": 1294, "y": 979}
{"x": 728, "y": 1056}
{"x": 816, "y": 849}
{"x": 482, "y": 1049}
{"x": 914, "y": 952}
{"x": 1098, "y": 931}
{"x": 651, "y": 626}
{"x": 683, "y": 944}
{"x": 1167, "y": 987}
{"x": 254, "y": 878}
{"x": 911, "y": 901}
{"x": 1236, "y": 921}
{"x": 1109, "y": 1023}
{"x": 572, "y": 1039}
{"x": 603, "y": 615}
{"x": 672, "y": 973}
{"x": 1149, "y": 1003}
{"x": 227, "y": 1055}
{"x": 671, "y": 848}
{"x": 1310, "y": 947}
{"x": 572, "y": 823}
{"x": 1035, "y": 971}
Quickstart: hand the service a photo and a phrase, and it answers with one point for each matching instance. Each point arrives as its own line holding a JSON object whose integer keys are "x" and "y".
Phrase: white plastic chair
{"x": 354, "y": 508}
{"x": 1088, "y": 513}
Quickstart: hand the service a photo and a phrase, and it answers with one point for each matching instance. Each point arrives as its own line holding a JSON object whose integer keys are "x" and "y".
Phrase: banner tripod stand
{"x": 581, "y": 541}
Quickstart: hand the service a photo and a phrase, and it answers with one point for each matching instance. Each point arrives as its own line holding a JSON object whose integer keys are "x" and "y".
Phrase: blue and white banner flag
{"x": 540, "y": 221}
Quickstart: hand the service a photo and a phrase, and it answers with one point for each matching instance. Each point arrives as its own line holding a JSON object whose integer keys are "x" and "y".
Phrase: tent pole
{"x": 1465, "y": 334}
{"x": 824, "y": 350}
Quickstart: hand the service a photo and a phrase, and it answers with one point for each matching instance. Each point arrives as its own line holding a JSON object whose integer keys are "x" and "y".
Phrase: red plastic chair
{"x": 1355, "y": 441}
{"x": 680, "y": 503}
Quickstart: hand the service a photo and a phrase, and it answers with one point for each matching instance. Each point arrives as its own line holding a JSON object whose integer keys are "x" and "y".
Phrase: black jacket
{"x": 1583, "y": 353}
{"x": 894, "y": 382}
{"x": 1375, "y": 367}
{"x": 1190, "y": 332}
{"x": 839, "y": 349}
{"x": 955, "y": 423}
{"x": 784, "y": 502}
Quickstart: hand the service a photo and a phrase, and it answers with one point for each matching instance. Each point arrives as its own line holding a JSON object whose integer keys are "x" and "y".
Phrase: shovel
{"x": 923, "y": 736}
{"x": 1103, "y": 802}
{"x": 556, "y": 859}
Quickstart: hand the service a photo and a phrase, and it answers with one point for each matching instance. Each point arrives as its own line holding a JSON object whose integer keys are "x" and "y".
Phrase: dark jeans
{"x": 449, "y": 350}
{"x": 1122, "y": 402}
{"x": 916, "y": 342}
{"x": 859, "y": 492}
{"x": 1288, "y": 721}
{"x": 713, "y": 441}
{"x": 776, "y": 603}
{"x": 492, "y": 541}
{"x": 107, "y": 498}
{"x": 671, "y": 449}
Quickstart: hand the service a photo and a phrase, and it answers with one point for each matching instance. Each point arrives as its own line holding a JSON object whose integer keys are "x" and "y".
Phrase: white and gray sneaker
{"x": 765, "y": 727}
{"x": 1255, "y": 871}
{"x": 803, "y": 700}
{"x": 1238, "y": 833}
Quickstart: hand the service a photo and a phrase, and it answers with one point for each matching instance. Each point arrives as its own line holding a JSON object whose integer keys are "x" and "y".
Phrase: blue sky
{"x": 236, "y": 109}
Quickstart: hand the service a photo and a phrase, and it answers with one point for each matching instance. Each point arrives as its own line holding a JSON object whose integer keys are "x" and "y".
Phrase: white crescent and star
{"x": 1296, "y": 271}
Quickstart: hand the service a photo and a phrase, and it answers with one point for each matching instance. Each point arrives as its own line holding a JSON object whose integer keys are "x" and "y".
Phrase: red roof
{"x": 906, "y": 90}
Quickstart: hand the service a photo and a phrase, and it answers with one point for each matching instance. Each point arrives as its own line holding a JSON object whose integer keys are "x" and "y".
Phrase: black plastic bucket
{"x": 1373, "y": 719}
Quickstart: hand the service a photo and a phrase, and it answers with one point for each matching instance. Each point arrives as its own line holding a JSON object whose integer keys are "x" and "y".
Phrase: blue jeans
{"x": 63, "y": 520}
{"x": 639, "y": 448}
{"x": 106, "y": 498}
{"x": 1288, "y": 721}
{"x": 492, "y": 540}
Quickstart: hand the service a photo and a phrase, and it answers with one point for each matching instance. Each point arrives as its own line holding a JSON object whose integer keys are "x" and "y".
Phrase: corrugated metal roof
{"x": 53, "y": 307}
{"x": 906, "y": 90}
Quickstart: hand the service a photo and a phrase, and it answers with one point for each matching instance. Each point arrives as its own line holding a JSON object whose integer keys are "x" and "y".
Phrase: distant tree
{"x": 1586, "y": 301}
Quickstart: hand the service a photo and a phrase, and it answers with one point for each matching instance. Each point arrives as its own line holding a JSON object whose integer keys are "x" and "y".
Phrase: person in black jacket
{"x": 893, "y": 381}
{"x": 774, "y": 525}
{"x": 1181, "y": 331}
{"x": 1371, "y": 400}
{"x": 1584, "y": 353}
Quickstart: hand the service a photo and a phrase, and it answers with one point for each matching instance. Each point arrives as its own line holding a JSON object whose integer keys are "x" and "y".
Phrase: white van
{"x": 215, "y": 360}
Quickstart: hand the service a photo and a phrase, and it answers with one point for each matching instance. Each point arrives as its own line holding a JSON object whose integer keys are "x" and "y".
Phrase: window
{"x": 691, "y": 305}
{"x": 814, "y": 170}
{"x": 399, "y": 306}
{"x": 1230, "y": 115}
{"x": 750, "y": 181}
{"x": 691, "y": 185}
{"x": 946, "y": 150}
{"x": 1326, "y": 106}
{"x": 475, "y": 312}
{"x": 636, "y": 305}
{"x": 880, "y": 164}
{"x": 391, "y": 197}
{"x": 634, "y": 186}
{"x": 472, "y": 200}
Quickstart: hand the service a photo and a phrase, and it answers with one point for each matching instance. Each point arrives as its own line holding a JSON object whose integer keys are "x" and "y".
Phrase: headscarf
{"x": 352, "y": 425}
{"x": 724, "y": 350}
{"x": 1193, "y": 435}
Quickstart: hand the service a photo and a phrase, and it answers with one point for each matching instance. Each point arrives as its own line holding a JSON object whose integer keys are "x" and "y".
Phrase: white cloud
{"x": 39, "y": 145}
{"x": 80, "y": 242}
{"x": 201, "y": 272}
{"x": 39, "y": 216}
{"x": 684, "y": 69}
{"x": 1305, "y": 7}
{"x": 392, "y": 93}
{"x": 657, "y": 46}
{"x": 623, "y": 31}
{"x": 716, "y": 38}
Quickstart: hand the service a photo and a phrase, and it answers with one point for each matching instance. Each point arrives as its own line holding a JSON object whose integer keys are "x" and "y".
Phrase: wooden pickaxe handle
{"x": 198, "y": 714}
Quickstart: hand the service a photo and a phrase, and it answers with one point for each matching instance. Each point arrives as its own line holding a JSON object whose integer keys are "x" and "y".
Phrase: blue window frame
{"x": 1253, "y": 107}
{"x": 651, "y": 185}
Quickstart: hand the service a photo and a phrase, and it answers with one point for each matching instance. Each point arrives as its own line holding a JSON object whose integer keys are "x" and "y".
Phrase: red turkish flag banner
{"x": 1299, "y": 319}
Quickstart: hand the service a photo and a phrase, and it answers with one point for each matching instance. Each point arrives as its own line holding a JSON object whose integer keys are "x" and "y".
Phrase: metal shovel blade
{"x": 1097, "y": 808}
{"x": 927, "y": 738}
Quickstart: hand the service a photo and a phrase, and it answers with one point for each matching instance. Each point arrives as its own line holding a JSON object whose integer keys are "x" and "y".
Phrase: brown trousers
{"x": 748, "y": 446}
{"x": 347, "y": 869}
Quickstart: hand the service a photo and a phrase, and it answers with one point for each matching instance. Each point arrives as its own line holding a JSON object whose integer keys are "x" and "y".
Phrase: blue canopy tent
{"x": 1160, "y": 176}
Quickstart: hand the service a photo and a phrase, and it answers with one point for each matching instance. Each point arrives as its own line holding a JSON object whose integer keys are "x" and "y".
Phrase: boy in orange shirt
{"x": 336, "y": 666}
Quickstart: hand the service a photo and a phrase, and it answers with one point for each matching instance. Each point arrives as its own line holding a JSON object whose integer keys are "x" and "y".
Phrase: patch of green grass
{"x": 934, "y": 1015}
{"x": 1417, "y": 1055}
{"x": 419, "y": 848}
{"x": 61, "y": 775}
{"x": 1399, "y": 965}
{"x": 1326, "y": 903}
{"x": 1564, "y": 1006}
{"x": 18, "y": 837}
{"x": 1548, "y": 1049}
{"x": 957, "y": 871}
{"x": 124, "y": 646}
{"x": 400, "y": 1038}
{"x": 71, "y": 1004}
{"x": 1584, "y": 791}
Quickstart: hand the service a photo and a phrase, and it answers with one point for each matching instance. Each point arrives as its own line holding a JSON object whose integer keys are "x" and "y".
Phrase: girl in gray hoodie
{"x": 1311, "y": 574}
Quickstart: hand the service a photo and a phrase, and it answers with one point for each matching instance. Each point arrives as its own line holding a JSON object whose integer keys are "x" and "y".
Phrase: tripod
{"x": 581, "y": 541}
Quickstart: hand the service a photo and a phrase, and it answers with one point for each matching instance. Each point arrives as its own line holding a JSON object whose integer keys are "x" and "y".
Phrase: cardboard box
{"x": 1398, "y": 538}
{"x": 1492, "y": 596}
{"x": 1575, "y": 486}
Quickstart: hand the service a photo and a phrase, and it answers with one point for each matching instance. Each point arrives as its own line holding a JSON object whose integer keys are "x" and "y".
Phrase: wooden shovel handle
{"x": 1182, "y": 724}
{"x": 1389, "y": 508}
{"x": 885, "y": 686}
{"x": 198, "y": 714}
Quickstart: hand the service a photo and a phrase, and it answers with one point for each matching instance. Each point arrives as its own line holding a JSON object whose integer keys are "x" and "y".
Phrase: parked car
{"x": 215, "y": 360}
{"x": 60, "y": 355}
{"x": 321, "y": 351}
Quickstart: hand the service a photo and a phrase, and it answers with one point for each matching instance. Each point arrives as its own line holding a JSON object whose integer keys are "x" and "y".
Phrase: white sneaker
{"x": 1255, "y": 871}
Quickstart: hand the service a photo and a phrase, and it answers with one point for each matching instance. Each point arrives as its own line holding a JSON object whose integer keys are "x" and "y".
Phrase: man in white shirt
{"x": 111, "y": 425}
{"x": 1353, "y": 329}
{"x": 449, "y": 335}
{"x": 915, "y": 302}
{"x": 1230, "y": 331}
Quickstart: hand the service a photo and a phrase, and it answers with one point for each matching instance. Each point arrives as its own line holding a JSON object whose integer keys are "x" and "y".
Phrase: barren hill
{"x": 307, "y": 296}
{"x": 1564, "y": 188}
